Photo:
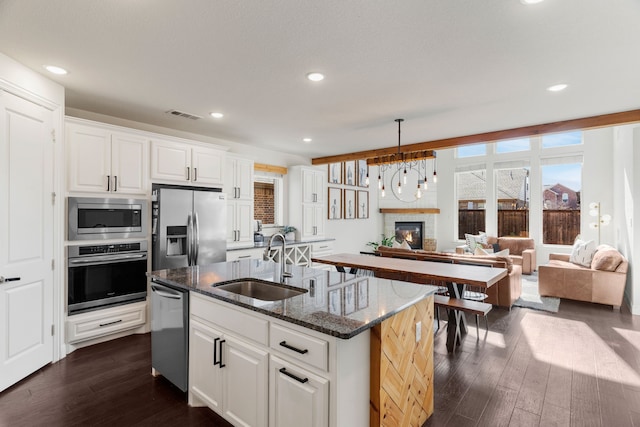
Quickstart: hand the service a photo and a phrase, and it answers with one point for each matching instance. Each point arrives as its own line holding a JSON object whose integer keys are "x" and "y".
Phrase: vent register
{"x": 182, "y": 114}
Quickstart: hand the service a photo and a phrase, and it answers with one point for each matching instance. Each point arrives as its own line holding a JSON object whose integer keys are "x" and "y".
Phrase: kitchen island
{"x": 349, "y": 350}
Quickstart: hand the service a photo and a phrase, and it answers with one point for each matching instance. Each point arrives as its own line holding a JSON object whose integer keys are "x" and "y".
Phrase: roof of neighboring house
{"x": 510, "y": 184}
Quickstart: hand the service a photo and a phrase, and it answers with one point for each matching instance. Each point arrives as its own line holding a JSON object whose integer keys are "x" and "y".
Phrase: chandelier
{"x": 400, "y": 165}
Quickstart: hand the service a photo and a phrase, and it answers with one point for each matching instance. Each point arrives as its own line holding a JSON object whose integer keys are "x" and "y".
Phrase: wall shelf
{"x": 410, "y": 210}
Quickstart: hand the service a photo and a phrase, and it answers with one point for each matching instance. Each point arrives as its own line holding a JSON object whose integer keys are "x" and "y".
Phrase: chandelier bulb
{"x": 418, "y": 193}
{"x": 399, "y": 187}
{"x": 366, "y": 180}
{"x": 382, "y": 193}
{"x": 435, "y": 177}
{"x": 405, "y": 175}
{"x": 424, "y": 184}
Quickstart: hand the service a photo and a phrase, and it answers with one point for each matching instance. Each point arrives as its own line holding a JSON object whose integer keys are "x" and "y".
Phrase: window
{"x": 513, "y": 145}
{"x": 562, "y": 139}
{"x": 561, "y": 184}
{"x": 471, "y": 190}
{"x": 472, "y": 150}
{"x": 512, "y": 192}
{"x": 267, "y": 200}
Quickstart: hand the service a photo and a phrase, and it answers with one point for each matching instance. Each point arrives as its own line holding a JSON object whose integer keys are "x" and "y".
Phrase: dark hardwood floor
{"x": 580, "y": 366}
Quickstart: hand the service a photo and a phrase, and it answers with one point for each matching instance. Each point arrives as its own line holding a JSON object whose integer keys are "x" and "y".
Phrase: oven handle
{"x": 166, "y": 293}
{"x": 106, "y": 259}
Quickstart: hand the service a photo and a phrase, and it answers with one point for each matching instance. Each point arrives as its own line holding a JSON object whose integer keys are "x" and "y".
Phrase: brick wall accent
{"x": 263, "y": 206}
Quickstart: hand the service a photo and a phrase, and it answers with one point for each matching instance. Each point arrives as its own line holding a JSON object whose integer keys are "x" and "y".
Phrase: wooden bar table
{"x": 457, "y": 277}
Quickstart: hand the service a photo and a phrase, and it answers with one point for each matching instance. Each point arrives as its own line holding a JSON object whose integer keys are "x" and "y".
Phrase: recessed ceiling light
{"x": 307, "y": 139}
{"x": 315, "y": 77}
{"x": 531, "y": 1}
{"x": 55, "y": 70}
{"x": 557, "y": 88}
{"x": 216, "y": 115}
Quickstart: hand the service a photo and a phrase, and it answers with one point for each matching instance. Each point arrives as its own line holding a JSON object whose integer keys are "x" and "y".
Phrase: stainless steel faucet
{"x": 283, "y": 272}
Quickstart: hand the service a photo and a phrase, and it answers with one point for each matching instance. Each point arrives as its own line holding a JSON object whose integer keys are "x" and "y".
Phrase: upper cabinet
{"x": 185, "y": 163}
{"x": 307, "y": 201}
{"x": 102, "y": 160}
{"x": 239, "y": 178}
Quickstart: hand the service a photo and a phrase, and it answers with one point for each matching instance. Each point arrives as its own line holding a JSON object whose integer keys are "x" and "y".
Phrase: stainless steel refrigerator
{"x": 188, "y": 226}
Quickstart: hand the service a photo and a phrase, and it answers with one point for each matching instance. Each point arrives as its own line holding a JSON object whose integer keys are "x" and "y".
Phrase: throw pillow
{"x": 582, "y": 252}
{"x": 504, "y": 253}
{"x": 473, "y": 240}
{"x": 480, "y": 251}
{"x": 606, "y": 258}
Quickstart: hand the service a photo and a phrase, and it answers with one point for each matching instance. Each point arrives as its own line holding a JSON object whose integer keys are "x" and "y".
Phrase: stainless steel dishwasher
{"x": 170, "y": 333}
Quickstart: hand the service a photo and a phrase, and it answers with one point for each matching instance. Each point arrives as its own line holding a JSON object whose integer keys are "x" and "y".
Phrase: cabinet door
{"x": 318, "y": 186}
{"x": 208, "y": 166}
{"x": 129, "y": 160}
{"x": 244, "y": 221}
{"x": 245, "y": 383}
{"x": 319, "y": 220}
{"x": 171, "y": 161}
{"x": 232, "y": 231}
{"x": 308, "y": 223}
{"x": 205, "y": 378}
{"x": 296, "y": 396}
{"x": 89, "y": 158}
{"x": 244, "y": 178}
{"x": 309, "y": 194}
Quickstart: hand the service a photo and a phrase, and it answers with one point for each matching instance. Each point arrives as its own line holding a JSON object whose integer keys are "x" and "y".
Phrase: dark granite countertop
{"x": 278, "y": 242}
{"x": 338, "y": 304}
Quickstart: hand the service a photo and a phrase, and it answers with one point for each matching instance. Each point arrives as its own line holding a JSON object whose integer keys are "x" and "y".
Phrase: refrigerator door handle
{"x": 196, "y": 242}
{"x": 189, "y": 239}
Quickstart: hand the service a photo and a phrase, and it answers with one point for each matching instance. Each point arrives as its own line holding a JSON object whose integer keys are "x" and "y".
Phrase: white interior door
{"x": 26, "y": 238}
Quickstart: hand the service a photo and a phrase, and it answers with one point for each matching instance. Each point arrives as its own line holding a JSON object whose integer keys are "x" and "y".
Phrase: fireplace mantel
{"x": 410, "y": 210}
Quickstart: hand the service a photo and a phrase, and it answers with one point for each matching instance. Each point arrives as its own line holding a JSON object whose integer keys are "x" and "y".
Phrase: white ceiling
{"x": 448, "y": 67}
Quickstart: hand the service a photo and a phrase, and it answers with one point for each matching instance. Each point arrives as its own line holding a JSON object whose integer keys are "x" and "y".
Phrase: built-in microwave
{"x": 106, "y": 218}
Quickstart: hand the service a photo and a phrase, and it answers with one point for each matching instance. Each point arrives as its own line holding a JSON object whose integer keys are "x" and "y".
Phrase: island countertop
{"x": 338, "y": 304}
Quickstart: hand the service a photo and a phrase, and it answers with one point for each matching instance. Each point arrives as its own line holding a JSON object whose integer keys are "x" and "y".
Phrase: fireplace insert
{"x": 411, "y": 232}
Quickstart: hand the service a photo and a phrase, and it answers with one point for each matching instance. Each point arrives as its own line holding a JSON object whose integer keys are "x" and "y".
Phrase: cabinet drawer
{"x": 257, "y": 253}
{"x": 232, "y": 320}
{"x": 322, "y": 248}
{"x": 104, "y": 322}
{"x": 305, "y": 348}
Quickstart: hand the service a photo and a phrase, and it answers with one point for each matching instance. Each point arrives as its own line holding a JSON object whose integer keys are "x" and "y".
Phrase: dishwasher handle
{"x": 165, "y": 292}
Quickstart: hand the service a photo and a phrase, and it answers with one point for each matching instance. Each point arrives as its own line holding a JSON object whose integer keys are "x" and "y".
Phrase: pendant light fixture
{"x": 404, "y": 164}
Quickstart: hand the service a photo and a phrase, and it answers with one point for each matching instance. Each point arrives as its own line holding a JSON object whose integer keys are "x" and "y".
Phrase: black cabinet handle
{"x": 110, "y": 323}
{"x": 297, "y": 350}
{"x": 9, "y": 279}
{"x": 222, "y": 365}
{"x": 295, "y": 377}
{"x": 108, "y": 182}
{"x": 115, "y": 182}
{"x": 195, "y": 174}
{"x": 215, "y": 351}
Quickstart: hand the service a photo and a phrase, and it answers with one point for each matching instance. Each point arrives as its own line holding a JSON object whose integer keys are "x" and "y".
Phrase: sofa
{"x": 602, "y": 282}
{"x": 503, "y": 294}
{"x": 522, "y": 250}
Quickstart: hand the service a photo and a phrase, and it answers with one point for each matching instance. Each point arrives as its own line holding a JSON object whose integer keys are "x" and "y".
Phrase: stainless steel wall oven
{"x": 101, "y": 276}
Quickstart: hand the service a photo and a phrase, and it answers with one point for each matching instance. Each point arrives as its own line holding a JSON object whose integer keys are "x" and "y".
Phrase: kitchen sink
{"x": 260, "y": 289}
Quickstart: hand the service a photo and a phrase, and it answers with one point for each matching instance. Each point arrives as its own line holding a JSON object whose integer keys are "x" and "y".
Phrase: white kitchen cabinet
{"x": 238, "y": 182}
{"x": 239, "y": 223}
{"x": 184, "y": 163}
{"x": 104, "y": 160}
{"x": 228, "y": 374}
{"x": 297, "y": 397}
{"x": 307, "y": 204}
{"x": 252, "y": 253}
{"x": 99, "y": 323}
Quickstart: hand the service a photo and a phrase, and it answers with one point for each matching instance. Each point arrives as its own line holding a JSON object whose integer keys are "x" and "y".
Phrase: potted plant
{"x": 386, "y": 241}
{"x": 289, "y": 232}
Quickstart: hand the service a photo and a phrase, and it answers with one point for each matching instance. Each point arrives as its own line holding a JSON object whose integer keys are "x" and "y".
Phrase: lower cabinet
{"x": 228, "y": 375}
{"x": 99, "y": 323}
{"x": 297, "y": 397}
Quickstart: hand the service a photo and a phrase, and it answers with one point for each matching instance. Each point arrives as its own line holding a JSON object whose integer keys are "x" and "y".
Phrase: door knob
{"x": 8, "y": 279}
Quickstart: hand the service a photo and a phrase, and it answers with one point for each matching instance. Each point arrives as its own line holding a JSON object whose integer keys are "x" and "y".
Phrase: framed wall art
{"x": 350, "y": 204}
{"x": 363, "y": 294}
{"x": 349, "y": 299}
{"x": 363, "y": 170}
{"x": 335, "y": 303}
{"x": 334, "y": 206}
{"x": 335, "y": 173}
{"x": 363, "y": 204}
{"x": 350, "y": 172}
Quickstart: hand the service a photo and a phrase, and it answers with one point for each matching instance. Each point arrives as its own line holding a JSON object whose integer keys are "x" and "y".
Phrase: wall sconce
{"x": 602, "y": 220}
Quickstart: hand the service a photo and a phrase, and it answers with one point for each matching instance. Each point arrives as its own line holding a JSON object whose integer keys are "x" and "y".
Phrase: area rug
{"x": 531, "y": 299}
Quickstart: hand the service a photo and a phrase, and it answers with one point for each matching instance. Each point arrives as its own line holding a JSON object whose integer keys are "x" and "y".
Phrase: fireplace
{"x": 411, "y": 232}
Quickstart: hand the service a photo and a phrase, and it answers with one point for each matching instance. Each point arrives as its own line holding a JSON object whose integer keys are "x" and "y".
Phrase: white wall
{"x": 626, "y": 194}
